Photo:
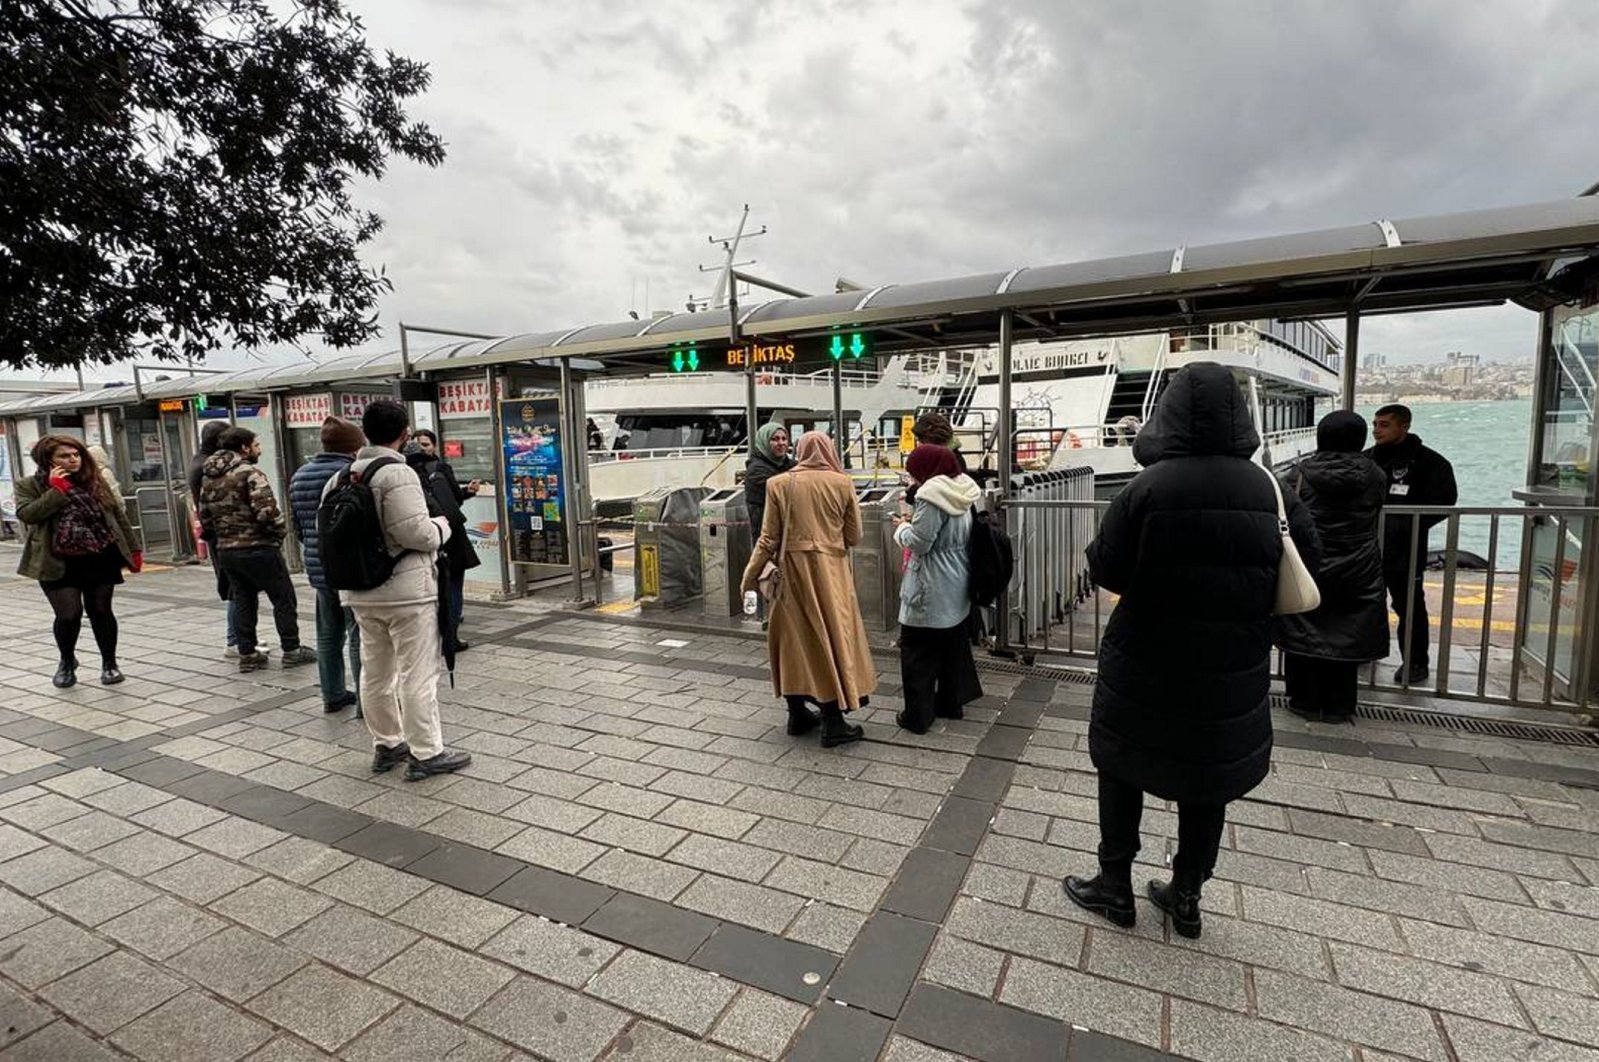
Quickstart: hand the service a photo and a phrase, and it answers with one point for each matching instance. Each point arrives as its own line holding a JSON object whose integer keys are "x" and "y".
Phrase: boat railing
{"x": 1513, "y": 605}
{"x": 598, "y": 457}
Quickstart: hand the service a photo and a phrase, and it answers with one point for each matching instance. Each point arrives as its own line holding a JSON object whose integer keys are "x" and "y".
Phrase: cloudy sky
{"x": 594, "y": 146}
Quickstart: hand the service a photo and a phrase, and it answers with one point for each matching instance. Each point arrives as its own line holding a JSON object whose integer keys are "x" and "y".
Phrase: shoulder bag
{"x": 1296, "y": 587}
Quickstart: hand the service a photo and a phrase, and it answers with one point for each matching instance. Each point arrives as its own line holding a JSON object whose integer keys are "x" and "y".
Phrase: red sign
{"x": 307, "y": 411}
{"x": 453, "y": 449}
{"x": 463, "y": 398}
{"x": 352, "y": 405}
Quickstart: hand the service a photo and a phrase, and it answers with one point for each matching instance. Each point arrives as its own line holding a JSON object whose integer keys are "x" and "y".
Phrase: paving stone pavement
{"x": 641, "y": 865}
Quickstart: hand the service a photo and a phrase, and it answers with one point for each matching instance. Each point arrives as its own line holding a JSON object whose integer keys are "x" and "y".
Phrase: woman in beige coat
{"x": 816, "y": 640}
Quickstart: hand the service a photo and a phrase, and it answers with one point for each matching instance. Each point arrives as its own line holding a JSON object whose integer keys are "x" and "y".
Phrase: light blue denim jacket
{"x": 934, "y": 591}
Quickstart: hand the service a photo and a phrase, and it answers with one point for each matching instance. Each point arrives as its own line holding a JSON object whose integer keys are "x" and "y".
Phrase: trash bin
{"x": 877, "y": 559}
{"x": 666, "y": 533}
{"x": 725, "y": 548}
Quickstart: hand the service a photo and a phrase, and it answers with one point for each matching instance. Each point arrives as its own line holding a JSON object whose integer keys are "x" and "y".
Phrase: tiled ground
{"x": 641, "y": 864}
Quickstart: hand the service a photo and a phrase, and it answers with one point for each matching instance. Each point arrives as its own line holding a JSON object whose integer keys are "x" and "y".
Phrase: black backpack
{"x": 355, "y": 555}
{"x": 990, "y": 558}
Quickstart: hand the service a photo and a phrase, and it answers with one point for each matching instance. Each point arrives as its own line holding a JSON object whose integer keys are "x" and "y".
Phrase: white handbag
{"x": 1296, "y": 587}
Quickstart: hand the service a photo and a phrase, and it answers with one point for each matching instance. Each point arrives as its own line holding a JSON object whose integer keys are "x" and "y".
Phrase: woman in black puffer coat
{"x": 1180, "y": 711}
{"x": 1324, "y": 649}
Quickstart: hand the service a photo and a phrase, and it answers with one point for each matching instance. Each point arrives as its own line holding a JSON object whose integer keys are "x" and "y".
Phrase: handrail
{"x": 607, "y": 456}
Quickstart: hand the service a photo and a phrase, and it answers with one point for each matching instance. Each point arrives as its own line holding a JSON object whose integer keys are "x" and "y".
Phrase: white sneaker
{"x": 231, "y": 651}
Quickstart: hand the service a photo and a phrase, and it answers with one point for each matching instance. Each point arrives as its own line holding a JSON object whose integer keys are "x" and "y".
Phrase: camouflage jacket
{"x": 237, "y": 507}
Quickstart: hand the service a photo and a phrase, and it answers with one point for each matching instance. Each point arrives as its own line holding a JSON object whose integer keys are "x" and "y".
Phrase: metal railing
{"x": 1513, "y": 625}
{"x": 597, "y": 457}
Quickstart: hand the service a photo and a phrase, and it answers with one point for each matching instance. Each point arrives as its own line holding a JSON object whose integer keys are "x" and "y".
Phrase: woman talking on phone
{"x": 78, "y": 542}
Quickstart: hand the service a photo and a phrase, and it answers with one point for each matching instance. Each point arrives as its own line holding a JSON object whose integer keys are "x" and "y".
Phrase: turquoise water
{"x": 1487, "y": 444}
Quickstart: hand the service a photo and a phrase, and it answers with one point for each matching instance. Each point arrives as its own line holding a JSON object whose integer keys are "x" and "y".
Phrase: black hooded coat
{"x": 1192, "y": 546}
{"x": 1344, "y": 491}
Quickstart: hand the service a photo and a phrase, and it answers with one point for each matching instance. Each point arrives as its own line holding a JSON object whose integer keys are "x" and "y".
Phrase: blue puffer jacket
{"x": 305, "y": 497}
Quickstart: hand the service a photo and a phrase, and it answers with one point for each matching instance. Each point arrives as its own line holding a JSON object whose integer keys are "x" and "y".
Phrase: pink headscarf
{"x": 815, "y": 451}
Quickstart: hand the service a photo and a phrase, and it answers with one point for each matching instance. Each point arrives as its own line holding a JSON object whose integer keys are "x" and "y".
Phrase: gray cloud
{"x": 595, "y": 146}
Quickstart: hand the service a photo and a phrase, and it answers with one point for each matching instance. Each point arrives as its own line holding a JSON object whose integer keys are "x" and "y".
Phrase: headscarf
{"x": 816, "y": 451}
{"x": 1341, "y": 432}
{"x": 929, "y": 460}
{"x": 763, "y": 440}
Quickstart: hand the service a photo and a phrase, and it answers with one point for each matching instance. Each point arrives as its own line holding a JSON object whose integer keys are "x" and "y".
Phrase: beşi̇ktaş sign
{"x": 835, "y": 348}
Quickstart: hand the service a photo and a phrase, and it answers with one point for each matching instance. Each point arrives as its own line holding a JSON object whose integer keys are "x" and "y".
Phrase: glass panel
{"x": 1567, "y": 419}
{"x": 468, "y": 445}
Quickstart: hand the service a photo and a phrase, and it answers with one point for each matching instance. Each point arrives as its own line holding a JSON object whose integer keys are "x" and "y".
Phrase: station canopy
{"x": 1529, "y": 254}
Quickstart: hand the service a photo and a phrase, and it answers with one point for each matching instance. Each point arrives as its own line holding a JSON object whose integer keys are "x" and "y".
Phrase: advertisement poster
{"x": 7, "y": 486}
{"x": 534, "y": 489}
{"x": 307, "y": 411}
{"x": 482, "y": 512}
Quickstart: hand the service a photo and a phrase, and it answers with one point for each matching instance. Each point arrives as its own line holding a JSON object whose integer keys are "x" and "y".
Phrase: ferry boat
{"x": 1077, "y": 403}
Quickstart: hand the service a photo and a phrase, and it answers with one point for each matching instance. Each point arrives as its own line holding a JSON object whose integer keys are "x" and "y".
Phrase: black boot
{"x": 835, "y": 731}
{"x": 66, "y": 675}
{"x": 1108, "y": 894}
{"x": 110, "y": 674}
{"x": 801, "y": 720}
{"x": 1179, "y": 899}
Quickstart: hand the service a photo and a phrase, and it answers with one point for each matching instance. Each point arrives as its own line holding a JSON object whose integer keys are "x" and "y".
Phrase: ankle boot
{"x": 835, "y": 731}
{"x": 801, "y": 720}
{"x": 66, "y": 675}
{"x": 1179, "y": 899}
{"x": 110, "y": 674}
{"x": 1108, "y": 894}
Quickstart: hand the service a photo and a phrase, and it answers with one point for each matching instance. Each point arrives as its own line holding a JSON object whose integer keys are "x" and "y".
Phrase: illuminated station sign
{"x": 833, "y": 349}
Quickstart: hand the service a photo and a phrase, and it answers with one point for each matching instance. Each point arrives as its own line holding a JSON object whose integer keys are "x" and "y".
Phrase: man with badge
{"x": 1416, "y": 475}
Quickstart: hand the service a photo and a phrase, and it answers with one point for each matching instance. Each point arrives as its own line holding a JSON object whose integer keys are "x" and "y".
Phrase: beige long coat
{"x": 816, "y": 640}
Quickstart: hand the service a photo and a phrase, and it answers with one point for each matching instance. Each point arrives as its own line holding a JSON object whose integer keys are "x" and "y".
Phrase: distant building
{"x": 1461, "y": 370}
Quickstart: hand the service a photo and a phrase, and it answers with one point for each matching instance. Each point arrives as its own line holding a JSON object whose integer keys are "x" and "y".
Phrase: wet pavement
{"x": 640, "y": 864}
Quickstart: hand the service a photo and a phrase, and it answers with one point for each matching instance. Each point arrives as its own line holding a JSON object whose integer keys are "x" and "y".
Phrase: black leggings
{"x": 70, "y": 603}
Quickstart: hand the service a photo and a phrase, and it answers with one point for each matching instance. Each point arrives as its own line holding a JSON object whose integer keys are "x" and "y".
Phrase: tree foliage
{"x": 175, "y": 174}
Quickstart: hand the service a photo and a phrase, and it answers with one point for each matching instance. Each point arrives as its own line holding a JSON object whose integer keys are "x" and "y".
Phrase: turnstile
{"x": 725, "y": 548}
{"x": 666, "y": 536}
{"x": 878, "y": 559}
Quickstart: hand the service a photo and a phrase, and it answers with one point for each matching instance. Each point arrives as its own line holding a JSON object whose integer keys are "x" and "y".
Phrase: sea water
{"x": 1487, "y": 444}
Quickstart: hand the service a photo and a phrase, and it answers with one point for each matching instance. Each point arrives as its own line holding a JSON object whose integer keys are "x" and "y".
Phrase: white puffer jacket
{"x": 410, "y": 533}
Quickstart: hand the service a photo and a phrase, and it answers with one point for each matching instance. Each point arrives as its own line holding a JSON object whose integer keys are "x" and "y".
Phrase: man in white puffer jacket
{"x": 400, "y": 647}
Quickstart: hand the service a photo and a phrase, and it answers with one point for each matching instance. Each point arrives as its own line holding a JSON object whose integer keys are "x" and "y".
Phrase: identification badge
{"x": 1400, "y": 489}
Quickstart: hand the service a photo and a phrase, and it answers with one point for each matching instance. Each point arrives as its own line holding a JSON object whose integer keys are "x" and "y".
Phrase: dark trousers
{"x": 1411, "y": 610}
{"x": 1121, "y": 807}
{"x": 1325, "y": 686}
{"x": 937, "y": 671}
{"x": 251, "y": 573}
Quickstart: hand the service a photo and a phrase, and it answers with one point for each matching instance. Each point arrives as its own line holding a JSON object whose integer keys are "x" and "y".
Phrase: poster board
{"x": 534, "y": 482}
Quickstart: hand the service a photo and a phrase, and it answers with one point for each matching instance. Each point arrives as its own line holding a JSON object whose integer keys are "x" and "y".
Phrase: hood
{"x": 1334, "y": 476}
{"x": 221, "y": 463}
{"x": 953, "y": 494}
{"x": 1203, "y": 411}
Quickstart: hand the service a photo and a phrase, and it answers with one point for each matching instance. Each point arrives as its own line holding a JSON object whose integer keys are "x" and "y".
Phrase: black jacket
{"x": 1192, "y": 546}
{"x": 1416, "y": 475}
{"x": 444, "y": 496}
{"x": 757, "y": 471}
{"x": 1345, "y": 494}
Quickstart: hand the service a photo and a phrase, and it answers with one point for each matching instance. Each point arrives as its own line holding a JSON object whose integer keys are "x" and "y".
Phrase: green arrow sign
{"x": 693, "y": 360}
{"x": 857, "y": 346}
{"x": 677, "y": 361}
{"x": 837, "y": 349}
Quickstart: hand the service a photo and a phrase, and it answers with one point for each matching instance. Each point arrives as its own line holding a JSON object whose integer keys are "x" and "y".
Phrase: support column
{"x": 840, "y": 432}
{"x": 574, "y": 533}
{"x": 1006, "y": 465}
{"x": 751, "y": 411}
{"x": 1007, "y": 448}
{"x": 1351, "y": 356}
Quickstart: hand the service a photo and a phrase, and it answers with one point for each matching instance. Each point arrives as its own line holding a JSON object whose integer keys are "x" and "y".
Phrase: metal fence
{"x": 1512, "y": 601}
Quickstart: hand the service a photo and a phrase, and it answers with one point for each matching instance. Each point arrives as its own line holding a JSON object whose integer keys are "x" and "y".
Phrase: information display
{"x": 535, "y": 490}
{"x": 836, "y": 348}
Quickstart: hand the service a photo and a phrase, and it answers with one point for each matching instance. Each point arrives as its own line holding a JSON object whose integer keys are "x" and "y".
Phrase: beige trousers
{"x": 400, "y": 664}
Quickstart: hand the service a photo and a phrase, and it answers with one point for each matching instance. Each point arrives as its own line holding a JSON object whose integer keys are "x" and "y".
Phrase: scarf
{"x": 763, "y": 441}
{"x": 81, "y": 528}
{"x": 816, "y": 452}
